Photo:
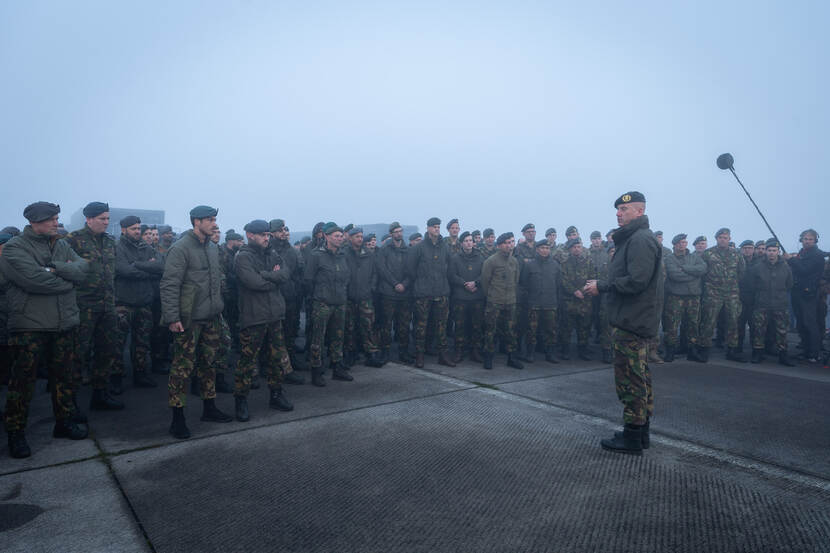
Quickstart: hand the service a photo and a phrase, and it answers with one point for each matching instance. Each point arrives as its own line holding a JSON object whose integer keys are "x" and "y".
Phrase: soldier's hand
{"x": 176, "y": 327}
{"x": 471, "y": 286}
{"x": 276, "y": 267}
{"x": 578, "y": 294}
{"x": 400, "y": 288}
{"x": 590, "y": 288}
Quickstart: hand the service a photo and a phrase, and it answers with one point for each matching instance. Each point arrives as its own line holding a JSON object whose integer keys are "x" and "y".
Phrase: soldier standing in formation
{"x": 360, "y": 308}
{"x": 467, "y": 299}
{"x": 394, "y": 286}
{"x": 770, "y": 281}
{"x": 499, "y": 281}
{"x": 683, "y": 289}
{"x": 541, "y": 280}
{"x": 577, "y": 269}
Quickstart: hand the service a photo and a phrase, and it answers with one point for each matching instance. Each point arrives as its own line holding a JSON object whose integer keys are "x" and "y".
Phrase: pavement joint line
{"x": 53, "y": 465}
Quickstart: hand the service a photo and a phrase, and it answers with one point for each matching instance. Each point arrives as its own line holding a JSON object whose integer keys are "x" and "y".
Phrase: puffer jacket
{"x": 326, "y": 276}
{"x": 466, "y": 267}
{"x": 427, "y": 264}
{"x": 362, "y": 276}
{"x": 391, "y": 269}
{"x": 191, "y": 287}
{"x": 260, "y": 298}
{"x": 135, "y": 274}
{"x": 770, "y": 284}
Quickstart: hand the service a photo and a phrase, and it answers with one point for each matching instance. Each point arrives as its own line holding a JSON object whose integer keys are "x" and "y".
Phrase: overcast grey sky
{"x": 497, "y": 113}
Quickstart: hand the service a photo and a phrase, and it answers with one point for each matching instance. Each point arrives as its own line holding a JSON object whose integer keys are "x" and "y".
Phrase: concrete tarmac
{"x": 441, "y": 459}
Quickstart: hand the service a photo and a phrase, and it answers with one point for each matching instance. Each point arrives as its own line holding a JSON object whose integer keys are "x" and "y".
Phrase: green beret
{"x": 369, "y": 237}
{"x": 772, "y": 243}
{"x": 164, "y": 229}
{"x": 658, "y": 233}
{"x": 203, "y": 211}
{"x": 596, "y": 234}
{"x": 676, "y": 240}
{"x": 464, "y": 235}
{"x": 476, "y": 232}
{"x": 94, "y": 209}
{"x": 630, "y": 197}
{"x": 14, "y": 231}
{"x": 5, "y": 237}
{"x": 331, "y": 227}
{"x": 415, "y": 236}
{"x": 348, "y": 227}
{"x": 452, "y": 221}
{"x": 573, "y": 242}
{"x": 145, "y": 228}
{"x": 698, "y": 240}
{"x": 305, "y": 239}
{"x": 542, "y": 242}
{"x": 257, "y": 226}
{"x": 488, "y": 232}
{"x": 394, "y": 226}
{"x": 760, "y": 244}
{"x": 529, "y": 226}
{"x": 355, "y": 230}
{"x": 433, "y": 221}
{"x": 276, "y": 225}
{"x": 40, "y": 211}
{"x": 129, "y": 221}
{"x": 504, "y": 237}
{"x": 747, "y": 243}
{"x": 571, "y": 230}
{"x": 551, "y": 230}
{"x": 723, "y": 230}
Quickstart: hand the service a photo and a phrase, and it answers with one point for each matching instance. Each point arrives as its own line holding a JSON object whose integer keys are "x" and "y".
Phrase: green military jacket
{"x": 191, "y": 287}
{"x": 97, "y": 291}
{"x": 576, "y": 271}
{"x": 500, "y": 279}
{"x": 724, "y": 269}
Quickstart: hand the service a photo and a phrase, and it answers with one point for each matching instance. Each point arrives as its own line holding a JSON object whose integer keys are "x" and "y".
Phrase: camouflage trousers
{"x": 501, "y": 319}
{"x": 577, "y": 316}
{"x": 681, "y": 309}
{"x": 291, "y": 324}
{"x": 268, "y": 339}
{"x": 32, "y": 349}
{"x": 195, "y": 349}
{"x": 397, "y": 312}
{"x": 712, "y": 304}
{"x": 438, "y": 308}
{"x": 467, "y": 317}
{"x": 136, "y": 322}
{"x": 632, "y": 376}
{"x": 327, "y": 325}
{"x": 98, "y": 339}
{"x": 779, "y": 318}
{"x": 544, "y": 318}
{"x": 222, "y": 360}
{"x": 161, "y": 337}
{"x": 360, "y": 326}
{"x": 231, "y": 317}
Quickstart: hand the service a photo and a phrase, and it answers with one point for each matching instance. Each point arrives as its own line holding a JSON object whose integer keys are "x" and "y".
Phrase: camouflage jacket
{"x": 454, "y": 248}
{"x": 724, "y": 269}
{"x": 600, "y": 258}
{"x": 487, "y": 251}
{"x": 229, "y": 286}
{"x": 576, "y": 271}
{"x": 97, "y": 291}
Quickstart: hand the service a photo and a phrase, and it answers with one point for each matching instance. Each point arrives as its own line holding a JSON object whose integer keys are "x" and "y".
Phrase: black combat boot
{"x": 444, "y": 359}
{"x": 373, "y": 360}
{"x": 513, "y": 361}
{"x": 529, "y": 354}
{"x": 702, "y": 353}
{"x": 102, "y": 401}
{"x": 458, "y": 356}
{"x": 488, "y": 361}
{"x": 18, "y": 447}
{"x": 77, "y": 415}
{"x": 68, "y": 429}
{"x": 757, "y": 355}
{"x": 195, "y": 387}
{"x": 583, "y": 353}
{"x": 668, "y": 355}
{"x": 629, "y": 441}
{"x": 734, "y": 354}
{"x": 549, "y": 355}
{"x": 645, "y": 436}
{"x": 565, "y": 352}
{"x": 116, "y": 385}
{"x": 405, "y": 358}
{"x": 143, "y": 380}
{"x": 419, "y": 360}
{"x": 784, "y": 359}
{"x": 475, "y": 356}
{"x": 607, "y": 357}
{"x": 278, "y": 401}
{"x": 178, "y": 428}
{"x": 348, "y": 359}
{"x": 317, "y": 378}
{"x": 340, "y": 372}
{"x": 222, "y": 387}
{"x": 241, "y": 408}
{"x": 211, "y": 413}
{"x": 293, "y": 378}
{"x": 297, "y": 363}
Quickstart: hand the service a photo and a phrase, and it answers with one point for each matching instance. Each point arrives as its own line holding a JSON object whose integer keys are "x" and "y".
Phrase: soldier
{"x": 476, "y": 238}
{"x": 524, "y": 252}
{"x": 291, "y": 290}
{"x": 360, "y": 308}
{"x": 599, "y": 256}
{"x": 488, "y": 245}
{"x": 760, "y": 250}
{"x": 571, "y": 233}
{"x": 807, "y": 268}
{"x": 42, "y": 273}
{"x": 453, "y": 228}
{"x": 745, "y": 294}
{"x": 658, "y": 235}
{"x": 576, "y": 271}
{"x": 261, "y": 272}
{"x": 771, "y": 281}
{"x": 97, "y": 334}
{"x": 700, "y": 245}
{"x": 724, "y": 269}
{"x": 427, "y": 264}
{"x": 499, "y": 281}
{"x": 632, "y": 288}
{"x": 5, "y": 350}
{"x": 146, "y": 234}
{"x": 136, "y": 269}
{"x": 370, "y": 242}
{"x": 415, "y": 238}
{"x": 683, "y": 289}
{"x": 191, "y": 305}
{"x": 541, "y": 279}
{"x": 394, "y": 286}
{"x": 222, "y": 361}
{"x": 230, "y": 294}
{"x": 467, "y": 299}
{"x": 326, "y": 279}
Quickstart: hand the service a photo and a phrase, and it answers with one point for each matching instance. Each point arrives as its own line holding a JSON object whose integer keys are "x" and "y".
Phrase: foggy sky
{"x": 498, "y": 113}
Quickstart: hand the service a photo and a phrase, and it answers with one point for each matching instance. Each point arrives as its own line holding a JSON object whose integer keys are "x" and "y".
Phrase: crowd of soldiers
{"x": 182, "y": 306}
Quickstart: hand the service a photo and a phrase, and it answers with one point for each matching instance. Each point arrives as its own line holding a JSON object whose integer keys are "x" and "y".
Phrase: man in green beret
{"x": 488, "y": 243}
{"x": 292, "y": 291}
{"x": 541, "y": 280}
{"x": 97, "y": 334}
{"x": 467, "y": 299}
{"x": 453, "y": 228}
{"x": 599, "y": 318}
{"x": 684, "y": 273}
{"x": 700, "y": 244}
{"x": 577, "y": 270}
{"x": 395, "y": 288}
{"x": 499, "y": 281}
{"x": 476, "y": 234}
{"x": 746, "y": 295}
{"x": 524, "y": 253}
{"x": 771, "y": 281}
{"x": 360, "y": 307}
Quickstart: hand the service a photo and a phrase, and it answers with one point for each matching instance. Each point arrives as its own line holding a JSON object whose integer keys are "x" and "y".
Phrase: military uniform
{"x": 427, "y": 265}
{"x": 230, "y": 292}
{"x": 683, "y": 289}
{"x": 360, "y": 310}
{"x": 395, "y": 305}
{"x": 770, "y": 284}
{"x": 725, "y": 268}
{"x": 291, "y": 290}
{"x": 468, "y": 306}
{"x": 576, "y": 271}
{"x": 540, "y": 278}
{"x": 599, "y": 316}
{"x": 499, "y": 280}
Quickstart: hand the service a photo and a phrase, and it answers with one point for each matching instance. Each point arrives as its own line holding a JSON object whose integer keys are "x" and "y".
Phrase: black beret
{"x": 476, "y": 232}
{"x": 129, "y": 221}
{"x": 747, "y": 243}
{"x": 257, "y": 226}
{"x": 630, "y": 197}
{"x": 355, "y": 230}
{"x": 369, "y": 237}
{"x": 488, "y": 232}
{"x": 14, "y": 231}
{"x": 551, "y": 230}
{"x": 145, "y": 228}
{"x": 433, "y": 221}
{"x": 464, "y": 235}
{"x": 528, "y": 226}
{"x": 348, "y": 227}
{"x": 276, "y": 225}
{"x": 571, "y": 230}
{"x": 573, "y": 242}
{"x": 542, "y": 242}
{"x": 504, "y": 237}
{"x": 772, "y": 243}
{"x": 393, "y": 226}
{"x": 596, "y": 234}
{"x": 94, "y": 209}
{"x": 234, "y": 236}
{"x": 676, "y": 240}
{"x": 5, "y": 237}
{"x": 699, "y": 239}
{"x": 610, "y": 232}
{"x": 331, "y": 227}
{"x": 164, "y": 229}
{"x": 451, "y": 223}
{"x": 203, "y": 211}
{"x": 415, "y": 236}
{"x": 40, "y": 211}
{"x": 723, "y": 230}
{"x": 658, "y": 233}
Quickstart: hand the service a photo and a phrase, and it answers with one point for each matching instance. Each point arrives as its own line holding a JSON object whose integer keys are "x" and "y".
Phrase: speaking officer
{"x": 632, "y": 287}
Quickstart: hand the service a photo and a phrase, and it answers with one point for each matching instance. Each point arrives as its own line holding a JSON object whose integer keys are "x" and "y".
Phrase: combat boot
{"x": 734, "y": 354}
{"x": 565, "y": 352}
{"x": 630, "y": 441}
{"x": 68, "y": 429}
{"x": 18, "y": 447}
{"x": 222, "y": 387}
{"x": 419, "y": 360}
{"x": 102, "y": 401}
{"x": 549, "y": 355}
{"x": 488, "y": 361}
{"x": 654, "y": 357}
{"x": 607, "y": 357}
{"x": 293, "y": 378}
{"x": 373, "y": 360}
{"x": 443, "y": 359}
{"x": 317, "y": 378}
{"x": 195, "y": 387}
{"x": 757, "y": 355}
{"x": 211, "y": 413}
{"x": 529, "y": 354}
{"x": 143, "y": 380}
{"x": 278, "y": 401}
{"x": 116, "y": 385}
{"x": 475, "y": 356}
{"x": 340, "y": 372}
{"x": 297, "y": 362}
{"x": 645, "y": 435}
{"x": 784, "y": 359}
{"x": 178, "y": 428}
{"x": 513, "y": 361}
{"x": 405, "y": 358}
{"x": 458, "y": 357}
{"x": 384, "y": 356}
{"x": 701, "y": 353}
{"x": 241, "y": 408}
{"x": 77, "y": 415}
{"x": 583, "y": 353}
{"x": 348, "y": 359}
{"x": 668, "y": 356}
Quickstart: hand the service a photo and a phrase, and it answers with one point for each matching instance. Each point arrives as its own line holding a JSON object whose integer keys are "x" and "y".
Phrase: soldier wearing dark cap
{"x": 576, "y": 271}
{"x": 453, "y": 228}
{"x": 136, "y": 272}
{"x": 165, "y": 238}
{"x": 632, "y": 287}
{"x": 326, "y": 279}
{"x": 292, "y": 289}
{"x": 5, "y": 351}
{"x": 725, "y": 267}
{"x": 500, "y": 280}
{"x": 771, "y": 281}
{"x": 230, "y": 293}
{"x": 97, "y": 333}
{"x": 415, "y": 238}
{"x": 360, "y": 308}
{"x": 524, "y": 252}
{"x": 427, "y": 265}
{"x": 261, "y": 272}
{"x": 658, "y": 235}
{"x": 747, "y": 250}
{"x": 807, "y": 267}
{"x": 467, "y": 299}
{"x": 191, "y": 305}
{"x": 476, "y": 234}
{"x": 684, "y": 273}
{"x": 700, "y": 245}
{"x": 42, "y": 273}
{"x": 488, "y": 244}
{"x": 600, "y": 258}
{"x": 760, "y": 250}
{"x": 541, "y": 280}
{"x": 394, "y": 286}
{"x": 10, "y": 230}
{"x": 317, "y": 240}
